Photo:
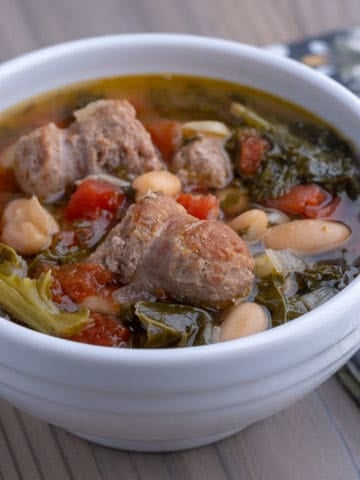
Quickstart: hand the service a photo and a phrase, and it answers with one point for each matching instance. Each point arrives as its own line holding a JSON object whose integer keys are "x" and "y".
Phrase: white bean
{"x": 243, "y": 320}
{"x": 157, "y": 181}
{"x": 233, "y": 200}
{"x": 99, "y": 304}
{"x": 276, "y": 217}
{"x": 207, "y": 127}
{"x": 27, "y": 226}
{"x": 105, "y": 177}
{"x": 251, "y": 225}
{"x": 307, "y": 236}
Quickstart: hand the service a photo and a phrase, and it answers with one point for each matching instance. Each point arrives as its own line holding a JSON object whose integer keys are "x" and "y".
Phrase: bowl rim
{"x": 271, "y": 338}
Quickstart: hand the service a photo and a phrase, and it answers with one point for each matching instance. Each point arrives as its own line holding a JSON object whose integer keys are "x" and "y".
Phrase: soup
{"x": 171, "y": 211}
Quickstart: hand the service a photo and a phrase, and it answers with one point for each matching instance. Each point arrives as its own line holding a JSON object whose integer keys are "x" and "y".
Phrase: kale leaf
{"x": 29, "y": 300}
{"x": 157, "y": 325}
{"x": 290, "y": 295}
{"x": 299, "y": 154}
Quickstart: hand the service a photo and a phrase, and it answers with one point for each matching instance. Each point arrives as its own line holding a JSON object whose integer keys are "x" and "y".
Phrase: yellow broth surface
{"x": 182, "y": 99}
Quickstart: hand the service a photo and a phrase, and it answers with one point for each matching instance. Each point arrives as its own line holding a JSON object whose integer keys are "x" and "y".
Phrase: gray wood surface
{"x": 316, "y": 439}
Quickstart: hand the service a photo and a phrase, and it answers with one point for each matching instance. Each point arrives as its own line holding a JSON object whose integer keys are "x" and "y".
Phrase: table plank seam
{"x": 222, "y": 462}
{"x": 7, "y": 442}
{"x": 61, "y": 452}
{"x": 57, "y": 431}
{"x": 26, "y": 437}
{"x": 29, "y": 18}
{"x": 133, "y": 464}
{"x": 298, "y": 17}
{"x": 169, "y": 466}
{"x": 338, "y": 431}
{"x": 93, "y": 446}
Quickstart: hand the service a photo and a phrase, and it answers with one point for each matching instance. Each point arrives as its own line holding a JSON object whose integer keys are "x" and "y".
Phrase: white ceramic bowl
{"x": 178, "y": 398}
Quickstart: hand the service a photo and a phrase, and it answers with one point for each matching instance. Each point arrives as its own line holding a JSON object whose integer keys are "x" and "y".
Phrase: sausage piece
{"x": 158, "y": 246}
{"x": 108, "y": 134}
{"x": 42, "y": 162}
{"x": 106, "y": 137}
{"x": 125, "y": 246}
{"x": 203, "y": 163}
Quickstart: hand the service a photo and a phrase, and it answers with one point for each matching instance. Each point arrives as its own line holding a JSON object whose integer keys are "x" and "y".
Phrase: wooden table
{"x": 316, "y": 439}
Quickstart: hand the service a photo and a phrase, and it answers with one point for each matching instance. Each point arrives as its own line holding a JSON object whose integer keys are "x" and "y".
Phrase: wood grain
{"x": 319, "y": 437}
{"x": 343, "y": 412}
{"x": 28, "y": 25}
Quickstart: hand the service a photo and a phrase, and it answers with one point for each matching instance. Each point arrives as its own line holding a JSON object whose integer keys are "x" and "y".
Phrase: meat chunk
{"x": 158, "y": 246}
{"x": 41, "y": 162}
{"x": 108, "y": 134}
{"x": 203, "y": 163}
{"x": 124, "y": 249}
{"x": 202, "y": 263}
{"x": 106, "y": 137}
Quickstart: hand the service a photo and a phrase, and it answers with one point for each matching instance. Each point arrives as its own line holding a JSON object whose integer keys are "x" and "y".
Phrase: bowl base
{"x": 170, "y": 445}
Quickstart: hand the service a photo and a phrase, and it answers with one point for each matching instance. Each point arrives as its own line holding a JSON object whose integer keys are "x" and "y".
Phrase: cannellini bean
{"x": 105, "y": 177}
{"x": 99, "y": 304}
{"x": 243, "y": 320}
{"x": 27, "y": 226}
{"x": 307, "y": 236}
{"x": 207, "y": 127}
{"x": 6, "y": 198}
{"x": 233, "y": 200}
{"x": 276, "y": 217}
{"x": 251, "y": 225}
{"x": 157, "y": 181}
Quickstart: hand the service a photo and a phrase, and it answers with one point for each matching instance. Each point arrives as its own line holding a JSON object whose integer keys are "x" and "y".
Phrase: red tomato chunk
{"x": 252, "y": 151}
{"x": 310, "y": 200}
{"x": 166, "y": 135}
{"x": 91, "y": 198}
{"x": 104, "y": 331}
{"x": 82, "y": 280}
{"x": 204, "y": 207}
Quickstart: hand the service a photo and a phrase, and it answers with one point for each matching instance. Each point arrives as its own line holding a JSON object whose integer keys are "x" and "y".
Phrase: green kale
{"x": 29, "y": 300}
{"x": 292, "y": 294}
{"x": 299, "y": 157}
{"x": 157, "y": 325}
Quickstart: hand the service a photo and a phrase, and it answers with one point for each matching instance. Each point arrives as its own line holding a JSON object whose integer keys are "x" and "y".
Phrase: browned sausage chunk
{"x": 106, "y": 136}
{"x": 159, "y": 247}
{"x": 203, "y": 163}
{"x": 42, "y": 162}
{"x": 109, "y": 135}
{"x": 127, "y": 243}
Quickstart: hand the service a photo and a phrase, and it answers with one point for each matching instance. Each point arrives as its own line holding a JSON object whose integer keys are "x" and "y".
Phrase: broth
{"x": 281, "y": 132}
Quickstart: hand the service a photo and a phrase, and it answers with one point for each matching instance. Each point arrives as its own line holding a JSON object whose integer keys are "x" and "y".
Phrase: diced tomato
{"x": 200, "y": 206}
{"x": 91, "y": 198}
{"x": 252, "y": 151}
{"x": 141, "y": 104}
{"x": 81, "y": 280}
{"x": 322, "y": 211}
{"x": 104, "y": 331}
{"x": 310, "y": 200}
{"x": 57, "y": 293}
{"x": 166, "y": 135}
